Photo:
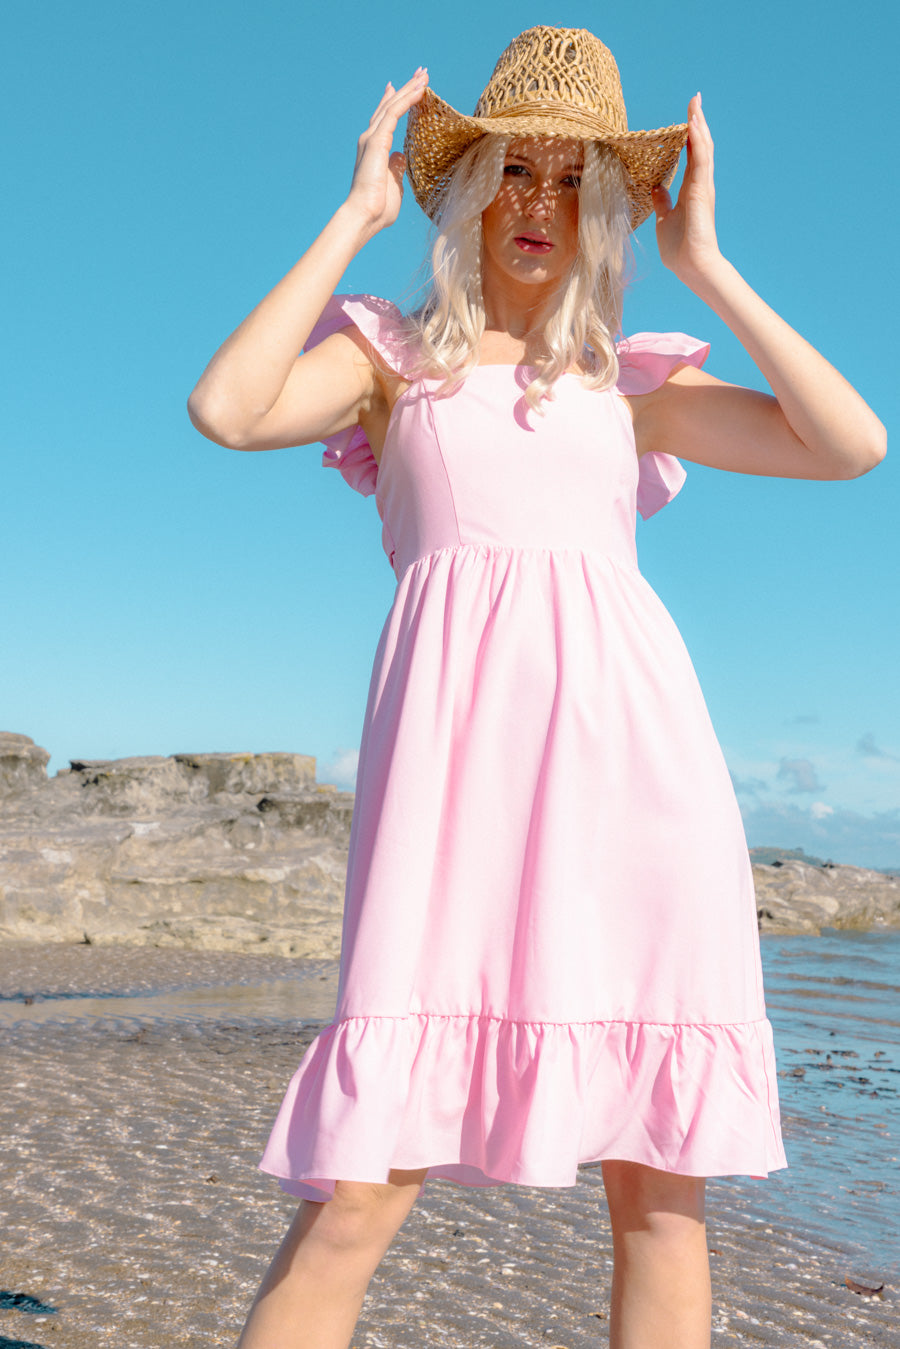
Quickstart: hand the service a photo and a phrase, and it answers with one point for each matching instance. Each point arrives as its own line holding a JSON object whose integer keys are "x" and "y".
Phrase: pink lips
{"x": 532, "y": 243}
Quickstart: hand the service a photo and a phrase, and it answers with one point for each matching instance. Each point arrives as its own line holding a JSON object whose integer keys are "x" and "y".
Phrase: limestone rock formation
{"x": 23, "y": 764}
{"x": 223, "y": 851}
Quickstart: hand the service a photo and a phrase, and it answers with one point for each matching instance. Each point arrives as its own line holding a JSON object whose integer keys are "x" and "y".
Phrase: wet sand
{"x": 134, "y": 1207}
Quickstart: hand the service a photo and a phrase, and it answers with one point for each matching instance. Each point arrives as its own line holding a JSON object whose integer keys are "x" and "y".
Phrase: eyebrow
{"x": 570, "y": 168}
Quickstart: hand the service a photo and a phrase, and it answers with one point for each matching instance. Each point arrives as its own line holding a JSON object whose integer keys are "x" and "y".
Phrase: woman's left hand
{"x": 686, "y": 231}
{"x": 815, "y": 426}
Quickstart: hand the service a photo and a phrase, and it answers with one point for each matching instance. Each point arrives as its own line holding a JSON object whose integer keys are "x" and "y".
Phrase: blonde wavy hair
{"x": 581, "y": 330}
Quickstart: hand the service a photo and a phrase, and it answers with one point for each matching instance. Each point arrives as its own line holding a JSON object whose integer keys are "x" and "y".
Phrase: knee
{"x": 659, "y": 1204}
{"x": 359, "y": 1214}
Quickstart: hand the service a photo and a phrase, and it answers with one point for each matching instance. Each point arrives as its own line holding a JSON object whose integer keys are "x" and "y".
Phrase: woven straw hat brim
{"x": 436, "y": 136}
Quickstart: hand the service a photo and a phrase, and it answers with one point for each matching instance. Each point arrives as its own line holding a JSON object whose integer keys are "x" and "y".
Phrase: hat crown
{"x": 562, "y": 67}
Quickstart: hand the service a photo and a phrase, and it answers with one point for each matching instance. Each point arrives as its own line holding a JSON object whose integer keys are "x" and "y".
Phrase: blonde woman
{"x": 550, "y": 953}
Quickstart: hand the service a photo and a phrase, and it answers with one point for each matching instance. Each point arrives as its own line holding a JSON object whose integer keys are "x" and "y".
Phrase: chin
{"x": 540, "y": 276}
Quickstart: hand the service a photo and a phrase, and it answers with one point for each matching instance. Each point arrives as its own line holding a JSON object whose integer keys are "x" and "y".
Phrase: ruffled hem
{"x": 646, "y": 360}
{"x": 485, "y": 1101}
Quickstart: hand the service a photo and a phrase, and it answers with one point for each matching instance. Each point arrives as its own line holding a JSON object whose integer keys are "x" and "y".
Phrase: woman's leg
{"x": 312, "y": 1292}
{"x": 660, "y": 1291}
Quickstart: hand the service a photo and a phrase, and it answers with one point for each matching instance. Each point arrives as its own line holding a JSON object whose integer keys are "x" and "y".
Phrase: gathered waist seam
{"x": 624, "y": 564}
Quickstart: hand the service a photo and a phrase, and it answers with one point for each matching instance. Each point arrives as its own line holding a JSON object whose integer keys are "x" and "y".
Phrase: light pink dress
{"x": 550, "y": 950}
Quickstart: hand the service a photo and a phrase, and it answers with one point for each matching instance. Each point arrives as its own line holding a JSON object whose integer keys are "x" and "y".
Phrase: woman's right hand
{"x": 257, "y": 393}
{"x": 377, "y": 187}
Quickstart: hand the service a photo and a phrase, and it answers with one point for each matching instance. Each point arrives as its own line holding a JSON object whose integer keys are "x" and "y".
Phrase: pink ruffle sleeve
{"x": 646, "y": 360}
{"x": 378, "y": 321}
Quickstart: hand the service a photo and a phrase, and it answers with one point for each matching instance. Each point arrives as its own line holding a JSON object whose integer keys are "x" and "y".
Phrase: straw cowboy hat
{"x": 548, "y": 82}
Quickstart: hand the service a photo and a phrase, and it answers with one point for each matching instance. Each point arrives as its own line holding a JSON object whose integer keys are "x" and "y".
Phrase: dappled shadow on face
{"x": 537, "y": 199}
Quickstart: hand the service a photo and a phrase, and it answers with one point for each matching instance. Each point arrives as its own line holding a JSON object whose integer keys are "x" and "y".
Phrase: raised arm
{"x": 815, "y": 426}
{"x": 257, "y": 393}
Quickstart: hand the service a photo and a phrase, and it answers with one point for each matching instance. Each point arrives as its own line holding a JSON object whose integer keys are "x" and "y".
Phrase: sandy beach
{"x": 135, "y": 1211}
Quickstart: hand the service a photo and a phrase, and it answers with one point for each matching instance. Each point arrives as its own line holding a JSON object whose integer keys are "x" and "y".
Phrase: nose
{"x": 540, "y": 203}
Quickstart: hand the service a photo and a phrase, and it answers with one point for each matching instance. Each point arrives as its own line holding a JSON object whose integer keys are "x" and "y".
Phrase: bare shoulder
{"x": 345, "y": 354}
{"x": 695, "y": 416}
{"x": 686, "y": 404}
{"x": 682, "y": 377}
{"x": 368, "y": 364}
{"x": 379, "y": 385}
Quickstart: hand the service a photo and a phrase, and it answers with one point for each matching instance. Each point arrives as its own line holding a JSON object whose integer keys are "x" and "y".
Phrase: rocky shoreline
{"x": 794, "y": 896}
{"x": 247, "y": 853}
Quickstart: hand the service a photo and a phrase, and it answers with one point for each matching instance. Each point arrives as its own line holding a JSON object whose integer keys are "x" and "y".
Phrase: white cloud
{"x": 819, "y": 810}
{"x": 341, "y": 769}
{"x": 791, "y": 776}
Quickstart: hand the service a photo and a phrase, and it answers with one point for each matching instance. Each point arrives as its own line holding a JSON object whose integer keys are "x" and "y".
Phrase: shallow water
{"x": 834, "y": 1001}
{"x": 308, "y": 994}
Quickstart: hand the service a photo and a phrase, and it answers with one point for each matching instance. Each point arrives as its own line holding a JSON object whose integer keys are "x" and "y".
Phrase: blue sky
{"x": 170, "y": 161}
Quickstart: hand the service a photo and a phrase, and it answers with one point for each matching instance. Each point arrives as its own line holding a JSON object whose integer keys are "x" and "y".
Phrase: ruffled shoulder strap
{"x": 646, "y": 360}
{"x": 379, "y": 322}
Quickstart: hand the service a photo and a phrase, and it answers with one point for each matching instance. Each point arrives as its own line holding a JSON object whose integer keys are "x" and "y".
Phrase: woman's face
{"x": 531, "y": 226}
